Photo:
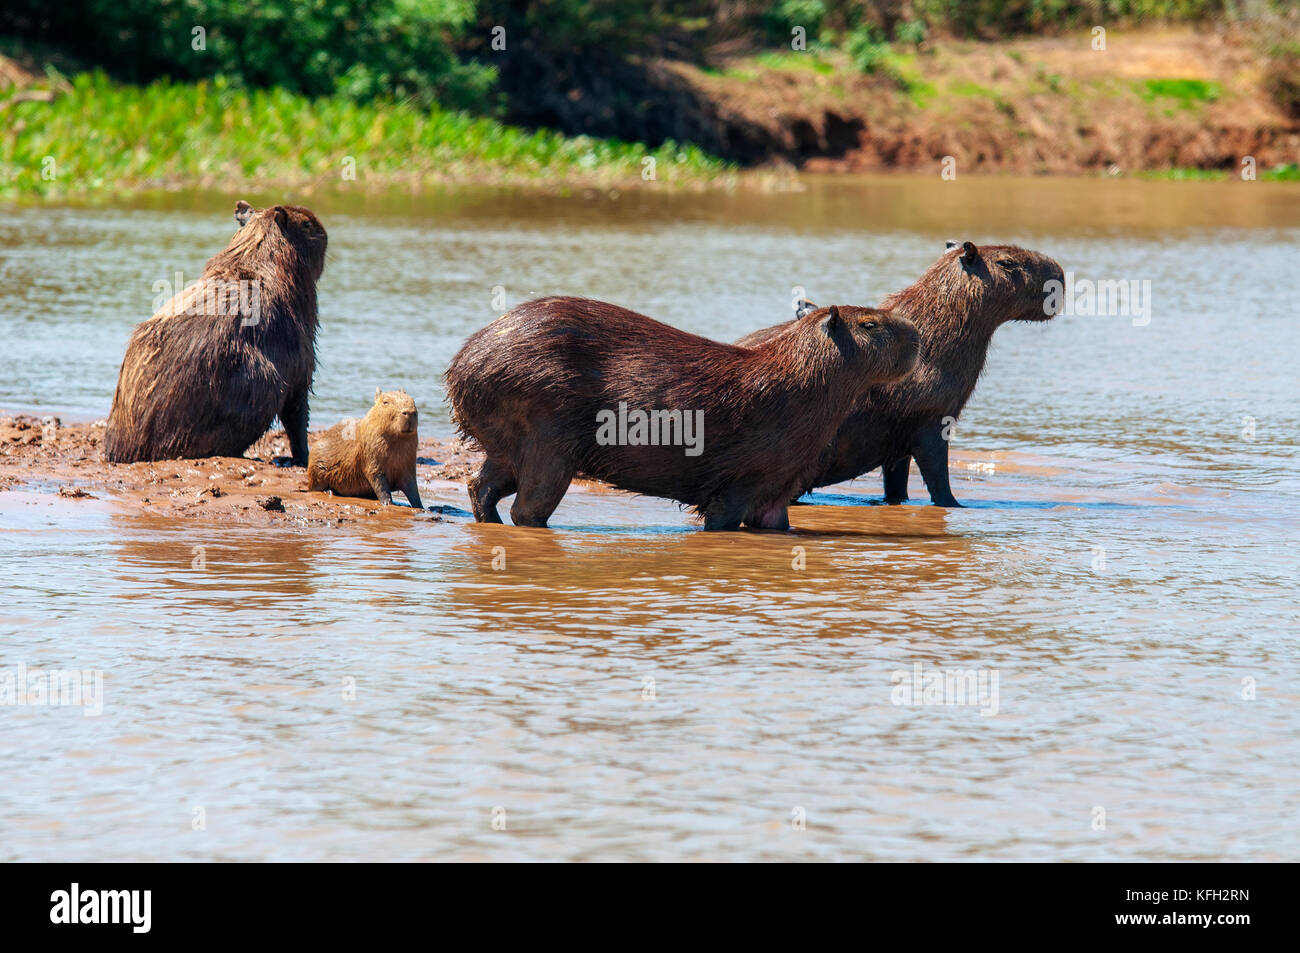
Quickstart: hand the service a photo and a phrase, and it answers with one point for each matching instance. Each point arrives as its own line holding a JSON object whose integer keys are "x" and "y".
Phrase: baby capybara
{"x": 207, "y": 374}
{"x": 372, "y": 456}
{"x": 546, "y": 389}
{"x": 957, "y": 305}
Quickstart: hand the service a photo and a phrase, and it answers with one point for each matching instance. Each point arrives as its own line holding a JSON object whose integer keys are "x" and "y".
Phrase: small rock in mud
{"x": 74, "y": 493}
{"x": 273, "y": 504}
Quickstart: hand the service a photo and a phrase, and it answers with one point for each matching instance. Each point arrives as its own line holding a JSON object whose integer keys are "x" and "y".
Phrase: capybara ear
{"x": 377, "y": 393}
{"x": 951, "y": 244}
{"x": 831, "y": 322}
{"x": 281, "y": 217}
{"x": 969, "y": 252}
{"x": 243, "y": 212}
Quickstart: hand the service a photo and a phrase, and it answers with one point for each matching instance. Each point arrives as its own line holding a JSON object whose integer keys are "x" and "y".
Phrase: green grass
{"x": 1184, "y": 175}
{"x": 1186, "y": 92}
{"x": 795, "y": 60}
{"x": 967, "y": 88}
{"x": 105, "y": 136}
{"x": 1282, "y": 173}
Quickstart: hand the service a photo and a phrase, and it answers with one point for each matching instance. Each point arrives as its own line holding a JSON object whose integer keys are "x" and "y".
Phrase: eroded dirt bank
{"x": 1151, "y": 100}
{"x": 44, "y": 453}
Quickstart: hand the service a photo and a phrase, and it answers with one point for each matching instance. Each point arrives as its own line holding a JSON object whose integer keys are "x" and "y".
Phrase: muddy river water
{"x": 1120, "y": 594}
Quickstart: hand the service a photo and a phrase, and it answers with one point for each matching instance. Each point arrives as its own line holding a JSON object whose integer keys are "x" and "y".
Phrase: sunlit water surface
{"x": 628, "y": 687}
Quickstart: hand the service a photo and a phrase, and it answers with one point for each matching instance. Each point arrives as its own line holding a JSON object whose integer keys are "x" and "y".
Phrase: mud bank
{"x": 43, "y": 453}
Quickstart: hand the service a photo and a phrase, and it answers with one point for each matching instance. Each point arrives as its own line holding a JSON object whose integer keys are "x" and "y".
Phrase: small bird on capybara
{"x": 957, "y": 305}
{"x": 372, "y": 456}
{"x": 734, "y": 432}
{"x": 206, "y": 375}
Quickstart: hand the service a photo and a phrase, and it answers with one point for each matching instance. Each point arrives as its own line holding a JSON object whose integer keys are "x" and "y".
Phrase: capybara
{"x": 957, "y": 305}
{"x": 207, "y": 374}
{"x": 733, "y": 432}
{"x": 372, "y": 456}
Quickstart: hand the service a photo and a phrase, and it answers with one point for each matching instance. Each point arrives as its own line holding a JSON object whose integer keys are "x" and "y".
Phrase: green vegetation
{"x": 1187, "y": 92}
{"x": 363, "y": 48}
{"x": 168, "y": 93}
{"x": 791, "y": 60}
{"x": 108, "y": 136}
{"x": 1282, "y": 173}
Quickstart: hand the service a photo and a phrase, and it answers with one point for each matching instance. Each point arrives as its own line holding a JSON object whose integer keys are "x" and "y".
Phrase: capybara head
{"x": 875, "y": 344}
{"x": 394, "y": 413}
{"x": 985, "y": 284}
{"x": 297, "y": 226}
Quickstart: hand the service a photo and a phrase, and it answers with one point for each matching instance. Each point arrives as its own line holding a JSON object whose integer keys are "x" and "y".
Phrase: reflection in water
{"x": 628, "y": 687}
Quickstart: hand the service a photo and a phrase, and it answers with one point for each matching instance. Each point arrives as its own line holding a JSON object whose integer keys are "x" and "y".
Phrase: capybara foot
{"x": 769, "y": 516}
{"x": 494, "y": 482}
{"x": 412, "y": 493}
{"x": 726, "y": 514}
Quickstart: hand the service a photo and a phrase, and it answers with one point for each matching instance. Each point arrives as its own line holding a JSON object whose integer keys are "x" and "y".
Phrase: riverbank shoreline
{"x": 46, "y": 455}
{"x": 1168, "y": 103}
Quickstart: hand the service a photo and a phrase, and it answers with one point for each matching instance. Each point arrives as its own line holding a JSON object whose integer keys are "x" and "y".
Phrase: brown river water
{"x": 1121, "y": 587}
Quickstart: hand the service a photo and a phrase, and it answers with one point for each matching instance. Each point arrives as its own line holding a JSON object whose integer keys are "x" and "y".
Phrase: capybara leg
{"x": 412, "y": 491}
{"x": 495, "y": 480}
{"x": 931, "y": 453}
{"x": 726, "y": 511}
{"x": 383, "y": 492}
{"x": 896, "y": 479}
{"x": 541, "y": 487}
{"x": 769, "y": 516}
{"x": 294, "y": 417}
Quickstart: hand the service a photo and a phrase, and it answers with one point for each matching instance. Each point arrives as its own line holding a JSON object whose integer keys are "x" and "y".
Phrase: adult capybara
{"x": 957, "y": 305}
{"x": 207, "y": 374}
{"x": 565, "y": 387}
{"x": 372, "y": 456}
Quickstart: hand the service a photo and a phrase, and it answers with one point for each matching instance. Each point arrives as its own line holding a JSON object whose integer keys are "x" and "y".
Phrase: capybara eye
{"x": 870, "y": 325}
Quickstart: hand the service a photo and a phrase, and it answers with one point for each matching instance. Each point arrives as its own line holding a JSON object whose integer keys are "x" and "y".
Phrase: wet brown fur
{"x": 370, "y": 457}
{"x": 203, "y": 385}
{"x": 957, "y": 305}
{"x": 528, "y": 388}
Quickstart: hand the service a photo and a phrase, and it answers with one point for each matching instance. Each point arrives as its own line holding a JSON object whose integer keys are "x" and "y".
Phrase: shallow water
{"x": 627, "y": 687}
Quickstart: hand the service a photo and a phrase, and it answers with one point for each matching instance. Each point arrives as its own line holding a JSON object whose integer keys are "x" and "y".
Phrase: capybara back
{"x": 560, "y": 387}
{"x": 208, "y": 373}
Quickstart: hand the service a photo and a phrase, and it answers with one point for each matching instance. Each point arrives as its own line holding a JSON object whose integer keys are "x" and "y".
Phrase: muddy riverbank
{"x": 44, "y": 453}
